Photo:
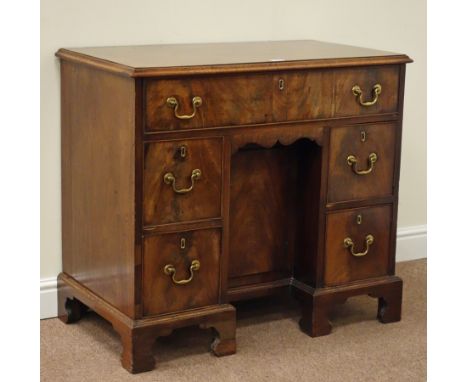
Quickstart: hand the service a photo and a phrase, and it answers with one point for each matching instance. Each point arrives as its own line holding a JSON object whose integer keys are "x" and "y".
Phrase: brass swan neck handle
{"x": 352, "y": 161}
{"x": 173, "y": 103}
{"x": 376, "y": 91}
{"x": 169, "y": 178}
{"x": 348, "y": 243}
{"x": 170, "y": 270}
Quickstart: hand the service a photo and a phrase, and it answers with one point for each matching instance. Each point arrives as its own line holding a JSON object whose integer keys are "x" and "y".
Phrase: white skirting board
{"x": 49, "y": 297}
{"x": 411, "y": 245}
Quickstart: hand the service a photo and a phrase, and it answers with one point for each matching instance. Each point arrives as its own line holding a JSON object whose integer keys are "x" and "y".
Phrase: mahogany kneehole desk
{"x": 198, "y": 175}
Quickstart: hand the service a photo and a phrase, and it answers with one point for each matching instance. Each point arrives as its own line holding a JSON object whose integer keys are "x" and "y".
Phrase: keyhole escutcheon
{"x": 281, "y": 84}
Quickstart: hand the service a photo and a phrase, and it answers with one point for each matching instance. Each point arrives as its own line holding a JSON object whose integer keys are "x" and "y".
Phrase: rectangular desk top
{"x": 185, "y": 59}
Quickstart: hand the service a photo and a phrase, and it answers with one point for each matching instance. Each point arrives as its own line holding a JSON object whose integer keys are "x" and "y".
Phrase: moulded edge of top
{"x": 120, "y": 69}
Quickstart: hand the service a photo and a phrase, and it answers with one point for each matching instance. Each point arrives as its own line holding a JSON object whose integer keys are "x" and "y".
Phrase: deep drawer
{"x": 362, "y": 159}
{"x": 182, "y": 181}
{"x": 357, "y": 244}
{"x": 180, "y": 271}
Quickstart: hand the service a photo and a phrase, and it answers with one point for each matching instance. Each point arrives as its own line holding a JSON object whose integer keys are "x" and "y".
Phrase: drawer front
{"x": 369, "y": 90}
{"x": 189, "y": 103}
{"x": 180, "y": 271}
{"x": 303, "y": 95}
{"x": 362, "y": 159}
{"x": 182, "y": 181}
{"x": 238, "y": 100}
{"x": 221, "y": 101}
{"x": 357, "y": 244}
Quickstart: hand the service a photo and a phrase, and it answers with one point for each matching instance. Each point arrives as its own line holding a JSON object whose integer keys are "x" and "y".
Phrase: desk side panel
{"x": 98, "y": 182}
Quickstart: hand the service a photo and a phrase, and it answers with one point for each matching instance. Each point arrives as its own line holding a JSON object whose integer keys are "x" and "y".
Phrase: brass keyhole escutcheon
{"x": 363, "y": 136}
{"x": 359, "y": 219}
{"x": 183, "y": 243}
{"x": 281, "y": 84}
{"x": 183, "y": 151}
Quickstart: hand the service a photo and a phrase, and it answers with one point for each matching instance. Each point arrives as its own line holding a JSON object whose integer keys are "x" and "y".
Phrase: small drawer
{"x": 362, "y": 159}
{"x": 368, "y": 90}
{"x": 182, "y": 181}
{"x": 190, "y": 103}
{"x": 180, "y": 271}
{"x": 357, "y": 244}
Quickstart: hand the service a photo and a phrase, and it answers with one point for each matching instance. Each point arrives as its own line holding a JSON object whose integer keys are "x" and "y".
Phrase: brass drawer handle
{"x": 169, "y": 178}
{"x": 348, "y": 243}
{"x": 196, "y": 102}
{"x": 170, "y": 270}
{"x": 352, "y": 161}
{"x": 376, "y": 91}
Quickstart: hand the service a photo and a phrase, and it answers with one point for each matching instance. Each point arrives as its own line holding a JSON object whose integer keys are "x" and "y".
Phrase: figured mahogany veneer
{"x": 197, "y": 175}
{"x": 386, "y": 76}
{"x": 160, "y": 295}
{"x": 267, "y": 98}
{"x": 232, "y": 100}
{"x": 260, "y": 204}
{"x": 341, "y": 266}
{"x": 361, "y": 141}
{"x": 160, "y": 204}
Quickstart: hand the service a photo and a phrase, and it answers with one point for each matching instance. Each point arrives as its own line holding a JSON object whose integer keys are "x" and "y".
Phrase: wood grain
{"x": 309, "y": 213}
{"x": 98, "y": 194}
{"x": 318, "y": 303}
{"x": 139, "y": 335}
{"x": 275, "y": 201}
{"x": 340, "y": 266}
{"x": 269, "y": 136}
{"x": 161, "y": 205}
{"x": 160, "y": 294}
{"x": 240, "y": 99}
{"x": 346, "y": 103}
{"x": 306, "y": 95}
{"x": 262, "y": 202}
{"x": 267, "y": 192}
{"x": 193, "y": 59}
{"x": 227, "y": 100}
{"x": 343, "y": 183}
{"x": 268, "y": 98}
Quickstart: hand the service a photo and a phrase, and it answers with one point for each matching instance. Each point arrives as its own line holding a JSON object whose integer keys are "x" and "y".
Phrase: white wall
{"x": 396, "y": 25}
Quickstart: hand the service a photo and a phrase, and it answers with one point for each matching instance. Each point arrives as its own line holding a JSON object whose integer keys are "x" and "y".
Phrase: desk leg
{"x": 137, "y": 355}
{"x": 315, "y": 310}
{"x": 389, "y": 309}
{"x": 224, "y": 342}
{"x": 69, "y": 308}
{"x": 317, "y": 303}
{"x": 139, "y": 335}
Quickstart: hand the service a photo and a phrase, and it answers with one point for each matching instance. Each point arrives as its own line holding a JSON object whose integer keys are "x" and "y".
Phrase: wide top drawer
{"x": 243, "y": 99}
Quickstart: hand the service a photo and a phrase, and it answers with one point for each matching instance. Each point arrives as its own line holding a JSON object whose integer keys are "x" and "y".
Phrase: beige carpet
{"x": 270, "y": 345}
